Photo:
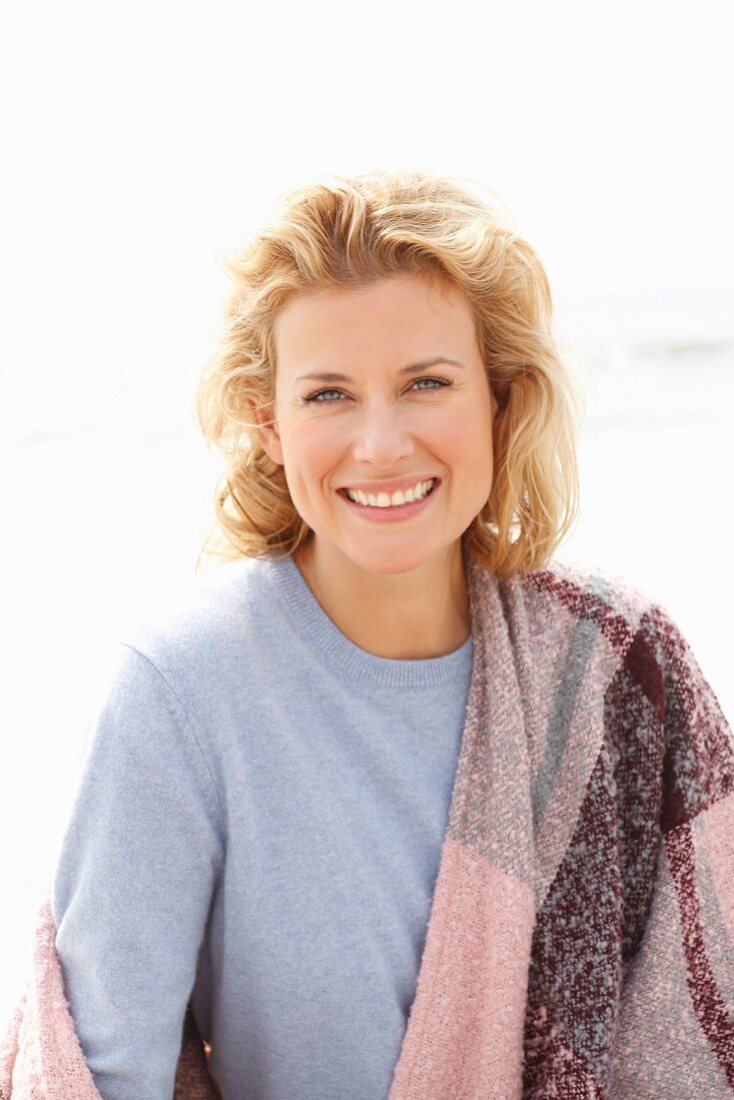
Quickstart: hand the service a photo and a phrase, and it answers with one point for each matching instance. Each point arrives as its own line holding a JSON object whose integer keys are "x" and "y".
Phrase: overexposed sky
{"x": 142, "y": 138}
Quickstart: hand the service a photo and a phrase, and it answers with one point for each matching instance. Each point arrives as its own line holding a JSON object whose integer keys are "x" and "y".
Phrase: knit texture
{"x": 581, "y": 937}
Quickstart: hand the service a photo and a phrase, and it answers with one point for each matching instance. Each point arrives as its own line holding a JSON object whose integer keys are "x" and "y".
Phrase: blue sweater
{"x": 258, "y": 827}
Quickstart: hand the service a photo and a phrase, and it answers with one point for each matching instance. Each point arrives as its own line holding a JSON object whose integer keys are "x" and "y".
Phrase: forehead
{"x": 394, "y": 315}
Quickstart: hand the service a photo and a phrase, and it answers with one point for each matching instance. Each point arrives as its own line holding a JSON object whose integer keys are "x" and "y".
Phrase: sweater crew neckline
{"x": 337, "y": 651}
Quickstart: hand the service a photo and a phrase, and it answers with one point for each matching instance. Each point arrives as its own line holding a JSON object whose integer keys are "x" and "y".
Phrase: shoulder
{"x": 569, "y": 617}
{"x": 205, "y": 626}
{"x": 638, "y": 626}
{"x": 567, "y": 596}
{"x": 644, "y": 650}
{"x": 586, "y": 594}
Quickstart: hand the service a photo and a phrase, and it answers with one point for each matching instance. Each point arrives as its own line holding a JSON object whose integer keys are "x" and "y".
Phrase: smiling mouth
{"x": 388, "y": 509}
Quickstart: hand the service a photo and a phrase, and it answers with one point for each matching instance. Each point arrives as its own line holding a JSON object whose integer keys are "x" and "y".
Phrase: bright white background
{"x": 141, "y": 140}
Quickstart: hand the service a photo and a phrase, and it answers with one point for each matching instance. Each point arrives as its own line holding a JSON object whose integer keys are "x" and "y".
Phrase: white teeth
{"x": 385, "y": 500}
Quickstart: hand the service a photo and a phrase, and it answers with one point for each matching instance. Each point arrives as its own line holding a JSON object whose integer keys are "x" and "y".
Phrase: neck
{"x": 399, "y": 616}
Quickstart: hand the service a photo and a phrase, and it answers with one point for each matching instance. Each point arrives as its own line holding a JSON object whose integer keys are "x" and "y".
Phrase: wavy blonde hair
{"x": 350, "y": 232}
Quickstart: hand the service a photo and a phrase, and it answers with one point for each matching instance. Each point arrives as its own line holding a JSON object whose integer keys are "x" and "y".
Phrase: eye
{"x": 440, "y": 382}
{"x": 321, "y": 397}
{"x": 318, "y": 397}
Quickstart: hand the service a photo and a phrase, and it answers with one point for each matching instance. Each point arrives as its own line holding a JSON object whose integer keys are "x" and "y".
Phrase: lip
{"x": 394, "y": 513}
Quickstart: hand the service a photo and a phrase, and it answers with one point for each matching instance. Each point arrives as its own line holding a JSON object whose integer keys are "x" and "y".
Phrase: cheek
{"x": 468, "y": 436}
{"x": 309, "y": 453}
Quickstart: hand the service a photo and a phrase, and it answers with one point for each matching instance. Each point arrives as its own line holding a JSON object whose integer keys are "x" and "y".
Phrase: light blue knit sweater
{"x": 260, "y": 820}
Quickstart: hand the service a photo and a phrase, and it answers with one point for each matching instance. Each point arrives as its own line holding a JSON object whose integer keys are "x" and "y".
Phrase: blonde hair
{"x": 350, "y": 232}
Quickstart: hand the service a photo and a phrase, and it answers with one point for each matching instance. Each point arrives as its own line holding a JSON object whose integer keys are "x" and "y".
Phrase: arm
{"x": 675, "y": 1033}
{"x": 133, "y": 884}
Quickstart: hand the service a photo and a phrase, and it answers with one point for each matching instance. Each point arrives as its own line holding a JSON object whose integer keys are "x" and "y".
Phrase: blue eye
{"x": 320, "y": 396}
{"x": 440, "y": 381}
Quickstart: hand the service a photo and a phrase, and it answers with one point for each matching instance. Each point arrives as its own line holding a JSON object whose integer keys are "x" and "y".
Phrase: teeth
{"x": 385, "y": 500}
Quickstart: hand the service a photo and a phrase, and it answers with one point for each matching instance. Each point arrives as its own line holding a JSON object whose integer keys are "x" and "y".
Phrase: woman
{"x": 395, "y": 802}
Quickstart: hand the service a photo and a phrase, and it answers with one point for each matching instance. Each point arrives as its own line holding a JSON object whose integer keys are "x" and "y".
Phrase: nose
{"x": 382, "y": 438}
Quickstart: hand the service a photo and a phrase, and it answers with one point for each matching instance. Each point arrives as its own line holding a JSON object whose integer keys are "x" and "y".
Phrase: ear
{"x": 267, "y": 433}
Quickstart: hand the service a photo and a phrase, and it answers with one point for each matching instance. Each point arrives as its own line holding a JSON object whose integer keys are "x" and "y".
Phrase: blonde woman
{"x": 397, "y": 804}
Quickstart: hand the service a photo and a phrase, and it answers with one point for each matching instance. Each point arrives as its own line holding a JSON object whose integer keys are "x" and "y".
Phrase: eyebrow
{"x": 412, "y": 368}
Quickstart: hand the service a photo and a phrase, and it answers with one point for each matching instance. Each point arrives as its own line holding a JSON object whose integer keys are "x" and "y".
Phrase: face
{"x": 379, "y": 390}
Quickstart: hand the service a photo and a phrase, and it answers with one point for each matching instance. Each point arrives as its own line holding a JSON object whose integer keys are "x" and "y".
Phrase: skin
{"x": 397, "y": 590}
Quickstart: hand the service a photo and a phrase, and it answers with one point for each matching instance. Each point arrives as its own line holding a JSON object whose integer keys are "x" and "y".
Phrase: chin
{"x": 391, "y": 561}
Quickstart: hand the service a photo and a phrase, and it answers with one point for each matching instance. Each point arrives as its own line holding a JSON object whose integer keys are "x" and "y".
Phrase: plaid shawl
{"x": 581, "y": 937}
